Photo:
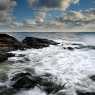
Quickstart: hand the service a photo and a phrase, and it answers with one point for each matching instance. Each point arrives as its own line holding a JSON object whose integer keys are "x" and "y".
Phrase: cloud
{"x": 78, "y": 18}
{"x": 83, "y": 20}
{"x": 6, "y": 7}
{"x": 60, "y": 4}
{"x": 40, "y": 17}
{"x": 73, "y": 16}
{"x": 43, "y": 6}
{"x": 72, "y": 21}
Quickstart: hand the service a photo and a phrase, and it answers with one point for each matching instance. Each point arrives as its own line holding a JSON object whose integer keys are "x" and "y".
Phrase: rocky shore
{"x": 9, "y": 43}
{"x": 55, "y": 70}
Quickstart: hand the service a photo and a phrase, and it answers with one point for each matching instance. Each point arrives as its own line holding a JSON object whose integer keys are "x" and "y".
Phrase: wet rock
{"x": 3, "y": 56}
{"x": 92, "y": 77}
{"x": 77, "y": 44}
{"x": 85, "y": 93}
{"x": 48, "y": 85}
{"x": 70, "y": 48}
{"x": 90, "y": 47}
{"x": 26, "y": 81}
{"x": 85, "y": 47}
{"x": 23, "y": 81}
{"x": 20, "y": 55}
{"x": 10, "y": 55}
{"x": 2, "y": 87}
{"x": 22, "y": 60}
{"x": 8, "y": 43}
{"x": 19, "y": 75}
{"x": 3, "y": 77}
{"x": 26, "y": 59}
{"x": 7, "y": 91}
{"x": 33, "y": 42}
{"x": 4, "y": 90}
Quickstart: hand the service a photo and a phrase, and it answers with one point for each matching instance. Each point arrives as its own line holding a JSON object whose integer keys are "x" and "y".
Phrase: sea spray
{"x": 69, "y": 68}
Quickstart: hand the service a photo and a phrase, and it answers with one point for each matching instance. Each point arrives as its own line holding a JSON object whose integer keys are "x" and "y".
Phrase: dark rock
{"x": 33, "y": 42}
{"x": 26, "y": 59}
{"x": 8, "y": 43}
{"x": 19, "y": 75}
{"x": 23, "y": 81}
{"x": 90, "y": 47}
{"x": 82, "y": 46}
{"x": 92, "y": 77}
{"x": 7, "y": 91}
{"x": 48, "y": 85}
{"x": 4, "y": 90}
{"x": 3, "y": 77}
{"x": 85, "y": 93}
{"x": 77, "y": 44}
{"x": 22, "y": 60}
{"x": 10, "y": 54}
{"x": 3, "y": 56}
{"x": 85, "y": 47}
{"x": 20, "y": 55}
{"x": 26, "y": 81}
{"x": 2, "y": 87}
{"x": 70, "y": 48}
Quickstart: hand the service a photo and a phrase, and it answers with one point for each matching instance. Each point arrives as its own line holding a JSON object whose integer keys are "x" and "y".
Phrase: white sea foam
{"x": 35, "y": 91}
{"x": 72, "y": 68}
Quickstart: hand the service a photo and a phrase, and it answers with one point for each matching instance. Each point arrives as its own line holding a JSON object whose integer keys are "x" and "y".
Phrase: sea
{"x": 69, "y": 67}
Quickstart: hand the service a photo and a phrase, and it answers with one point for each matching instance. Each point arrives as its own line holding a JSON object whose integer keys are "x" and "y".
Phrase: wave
{"x": 71, "y": 68}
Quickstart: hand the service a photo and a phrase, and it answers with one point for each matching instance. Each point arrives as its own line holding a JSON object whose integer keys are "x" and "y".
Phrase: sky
{"x": 47, "y": 15}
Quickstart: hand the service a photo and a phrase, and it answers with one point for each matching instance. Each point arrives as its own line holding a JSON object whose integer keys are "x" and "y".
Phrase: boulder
{"x": 85, "y": 93}
{"x": 26, "y": 81}
{"x": 10, "y": 54}
{"x": 69, "y": 48}
{"x": 4, "y": 56}
{"x": 8, "y": 43}
{"x": 3, "y": 77}
{"x": 23, "y": 81}
{"x": 7, "y": 91}
{"x": 92, "y": 77}
{"x": 33, "y": 42}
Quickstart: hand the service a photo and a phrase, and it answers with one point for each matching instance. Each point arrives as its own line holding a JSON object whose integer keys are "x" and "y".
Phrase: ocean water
{"x": 71, "y": 68}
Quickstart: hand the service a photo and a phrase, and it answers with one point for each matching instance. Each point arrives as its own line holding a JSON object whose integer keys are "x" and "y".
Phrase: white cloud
{"x": 6, "y": 7}
{"x": 71, "y": 21}
{"x": 60, "y": 4}
{"x": 78, "y": 17}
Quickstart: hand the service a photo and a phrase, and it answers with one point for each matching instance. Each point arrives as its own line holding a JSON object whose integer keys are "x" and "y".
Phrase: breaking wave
{"x": 71, "y": 67}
